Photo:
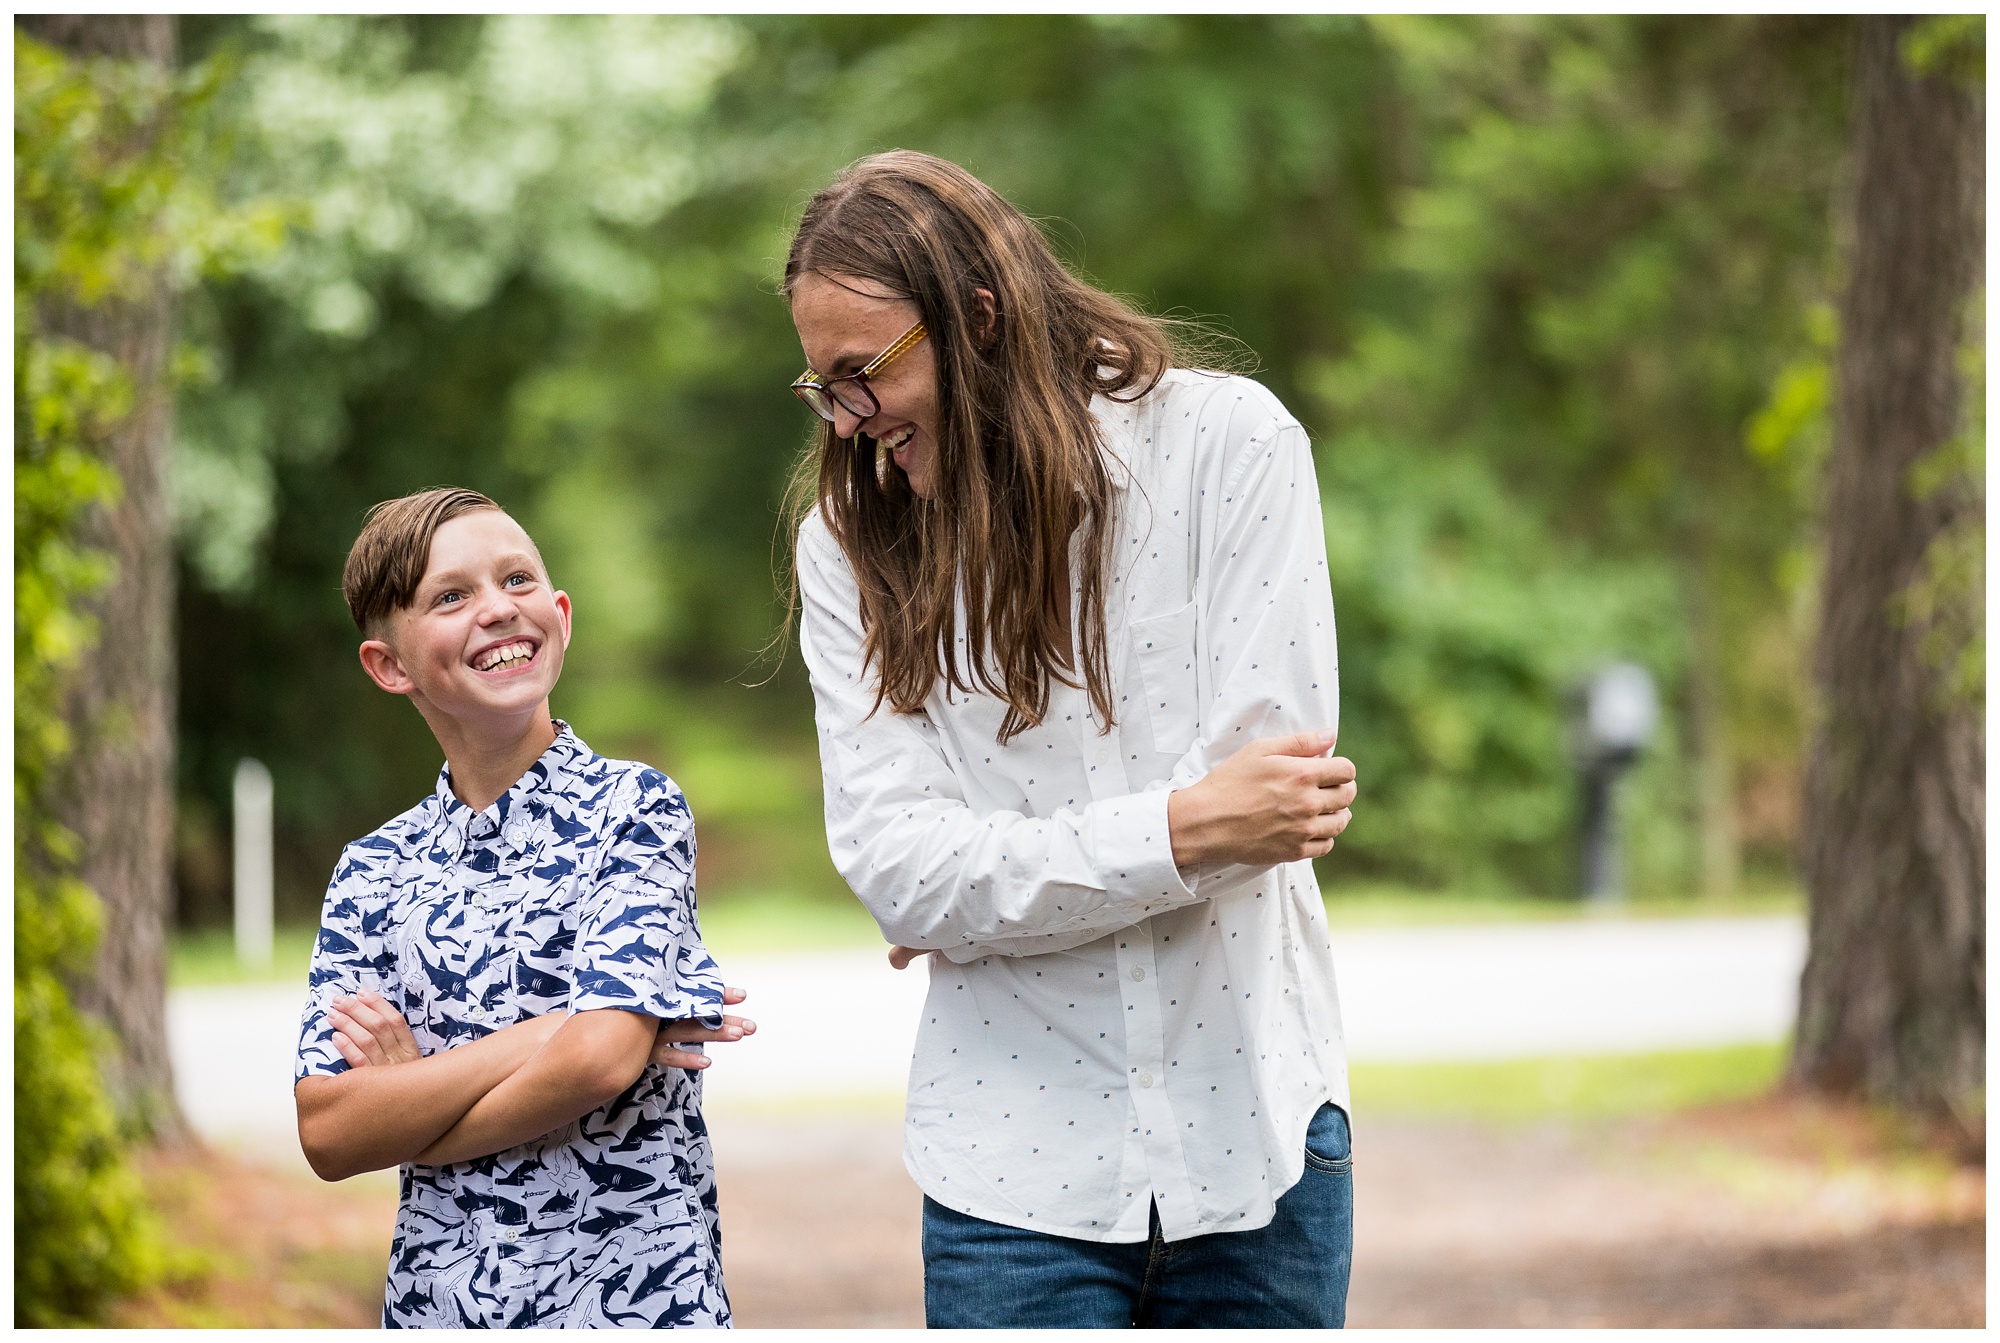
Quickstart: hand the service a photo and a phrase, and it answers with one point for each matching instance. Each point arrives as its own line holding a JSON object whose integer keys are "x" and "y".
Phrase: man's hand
{"x": 900, "y": 957}
{"x": 1278, "y": 800}
{"x": 369, "y": 1031}
{"x": 672, "y": 1034}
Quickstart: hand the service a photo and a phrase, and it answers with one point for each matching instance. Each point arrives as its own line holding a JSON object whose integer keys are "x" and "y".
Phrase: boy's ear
{"x": 562, "y": 605}
{"x": 384, "y": 668}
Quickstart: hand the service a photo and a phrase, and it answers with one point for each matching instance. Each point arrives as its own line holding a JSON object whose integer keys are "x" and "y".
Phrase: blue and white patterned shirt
{"x": 574, "y": 891}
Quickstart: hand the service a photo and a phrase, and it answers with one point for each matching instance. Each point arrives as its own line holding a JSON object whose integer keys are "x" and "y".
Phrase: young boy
{"x": 504, "y": 971}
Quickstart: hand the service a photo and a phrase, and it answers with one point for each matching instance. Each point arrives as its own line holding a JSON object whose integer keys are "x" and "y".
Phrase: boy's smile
{"x": 507, "y": 656}
{"x": 480, "y": 646}
{"x": 485, "y": 606}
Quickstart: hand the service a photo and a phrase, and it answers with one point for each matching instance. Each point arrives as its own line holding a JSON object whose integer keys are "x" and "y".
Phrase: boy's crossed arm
{"x": 477, "y": 1098}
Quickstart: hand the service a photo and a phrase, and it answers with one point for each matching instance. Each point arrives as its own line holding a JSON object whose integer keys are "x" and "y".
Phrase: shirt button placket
{"x": 1145, "y": 1048}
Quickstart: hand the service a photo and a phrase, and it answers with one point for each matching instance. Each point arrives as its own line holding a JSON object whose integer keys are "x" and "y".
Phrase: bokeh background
{"x": 1553, "y": 298}
{"x": 1557, "y": 299}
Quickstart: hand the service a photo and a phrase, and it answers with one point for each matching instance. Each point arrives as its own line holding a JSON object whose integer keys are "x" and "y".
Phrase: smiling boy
{"x": 504, "y": 971}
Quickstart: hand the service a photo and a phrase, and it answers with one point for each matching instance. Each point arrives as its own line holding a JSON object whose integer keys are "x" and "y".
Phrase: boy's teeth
{"x": 511, "y": 655}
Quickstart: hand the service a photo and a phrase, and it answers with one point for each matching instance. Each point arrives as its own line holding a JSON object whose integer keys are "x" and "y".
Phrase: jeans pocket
{"x": 1329, "y": 1142}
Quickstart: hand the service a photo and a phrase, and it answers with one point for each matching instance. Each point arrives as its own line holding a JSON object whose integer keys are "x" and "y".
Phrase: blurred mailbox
{"x": 1622, "y": 710}
{"x": 1619, "y": 712}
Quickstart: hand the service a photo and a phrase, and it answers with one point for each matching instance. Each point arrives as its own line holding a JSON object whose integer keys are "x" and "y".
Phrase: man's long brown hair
{"x": 1019, "y": 467}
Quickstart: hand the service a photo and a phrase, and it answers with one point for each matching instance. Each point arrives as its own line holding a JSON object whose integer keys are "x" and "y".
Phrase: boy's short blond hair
{"x": 390, "y": 556}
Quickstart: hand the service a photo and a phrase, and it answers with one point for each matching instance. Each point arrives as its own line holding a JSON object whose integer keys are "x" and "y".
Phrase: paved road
{"x": 839, "y": 1024}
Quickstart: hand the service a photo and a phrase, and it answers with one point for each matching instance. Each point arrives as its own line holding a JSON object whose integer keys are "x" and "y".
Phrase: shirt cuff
{"x": 596, "y": 990}
{"x": 1136, "y": 853}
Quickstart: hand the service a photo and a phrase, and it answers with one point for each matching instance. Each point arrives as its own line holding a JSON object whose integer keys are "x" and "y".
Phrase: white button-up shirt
{"x": 1105, "y": 1032}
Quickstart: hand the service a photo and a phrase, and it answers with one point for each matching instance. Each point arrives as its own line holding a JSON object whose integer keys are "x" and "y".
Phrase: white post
{"x": 253, "y": 863}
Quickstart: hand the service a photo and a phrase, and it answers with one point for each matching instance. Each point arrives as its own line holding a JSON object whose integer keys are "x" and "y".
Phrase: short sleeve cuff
{"x": 317, "y": 1054}
{"x": 696, "y": 997}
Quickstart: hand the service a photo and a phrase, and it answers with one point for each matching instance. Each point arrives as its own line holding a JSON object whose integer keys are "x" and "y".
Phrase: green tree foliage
{"x": 1529, "y": 282}
{"x": 473, "y": 197}
{"x": 103, "y": 203}
{"x": 1612, "y": 249}
{"x": 81, "y": 1233}
{"x": 636, "y": 416}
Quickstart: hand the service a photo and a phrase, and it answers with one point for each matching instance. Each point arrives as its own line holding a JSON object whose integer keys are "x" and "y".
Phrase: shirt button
{"x": 1138, "y": 972}
{"x": 510, "y": 1235}
{"x": 1103, "y": 754}
{"x": 1145, "y": 1079}
{"x": 475, "y": 1012}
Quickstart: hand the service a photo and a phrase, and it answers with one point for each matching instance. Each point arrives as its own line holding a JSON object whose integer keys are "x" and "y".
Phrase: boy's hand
{"x": 673, "y": 1034}
{"x": 368, "y": 1030}
{"x": 900, "y": 957}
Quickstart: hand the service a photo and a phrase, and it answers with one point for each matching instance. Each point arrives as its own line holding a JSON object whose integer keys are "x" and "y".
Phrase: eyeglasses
{"x": 851, "y": 393}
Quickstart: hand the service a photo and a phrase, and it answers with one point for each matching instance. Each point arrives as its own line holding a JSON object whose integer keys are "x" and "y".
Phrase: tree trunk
{"x": 1893, "y": 1000}
{"x": 1708, "y": 728}
{"x": 118, "y": 793}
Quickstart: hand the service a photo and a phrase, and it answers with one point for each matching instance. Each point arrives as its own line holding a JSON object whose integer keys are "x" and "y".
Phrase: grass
{"x": 752, "y": 921}
{"x": 1360, "y": 905}
{"x": 1600, "y": 1087}
{"x": 747, "y": 921}
{"x": 208, "y": 957}
{"x": 1511, "y": 1092}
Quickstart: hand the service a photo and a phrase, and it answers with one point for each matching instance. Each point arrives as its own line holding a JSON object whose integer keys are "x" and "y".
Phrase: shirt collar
{"x": 514, "y": 813}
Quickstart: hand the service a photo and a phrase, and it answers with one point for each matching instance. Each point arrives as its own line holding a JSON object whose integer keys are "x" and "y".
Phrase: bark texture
{"x": 1708, "y": 729}
{"x": 117, "y": 795}
{"x": 1893, "y": 999}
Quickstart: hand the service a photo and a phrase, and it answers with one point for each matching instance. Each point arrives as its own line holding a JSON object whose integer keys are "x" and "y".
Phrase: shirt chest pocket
{"x": 1164, "y": 647}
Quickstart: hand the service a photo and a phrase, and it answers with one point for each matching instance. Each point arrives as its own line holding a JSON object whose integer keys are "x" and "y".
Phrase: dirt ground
{"x": 1780, "y": 1212}
{"x": 1774, "y": 1214}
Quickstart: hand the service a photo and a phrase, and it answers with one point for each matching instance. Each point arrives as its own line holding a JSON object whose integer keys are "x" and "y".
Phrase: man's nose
{"x": 846, "y": 424}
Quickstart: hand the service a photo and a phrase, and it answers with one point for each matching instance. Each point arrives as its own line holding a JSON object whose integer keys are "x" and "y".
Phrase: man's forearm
{"x": 592, "y": 1058}
{"x": 373, "y": 1117}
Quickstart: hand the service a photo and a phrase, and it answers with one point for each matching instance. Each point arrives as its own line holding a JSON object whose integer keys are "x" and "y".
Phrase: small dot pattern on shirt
{"x": 1105, "y": 1033}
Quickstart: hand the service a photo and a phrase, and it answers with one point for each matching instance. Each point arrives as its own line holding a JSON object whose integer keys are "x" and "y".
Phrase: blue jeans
{"x": 1289, "y": 1274}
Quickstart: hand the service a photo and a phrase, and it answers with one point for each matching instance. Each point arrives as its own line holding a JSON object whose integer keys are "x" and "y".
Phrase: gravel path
{"x": 1457, "y": 1226}
{"x": 1777, "y": 1214}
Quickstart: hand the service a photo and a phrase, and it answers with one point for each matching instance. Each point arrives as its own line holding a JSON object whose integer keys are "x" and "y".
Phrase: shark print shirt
{"x": 574, "y": 892}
